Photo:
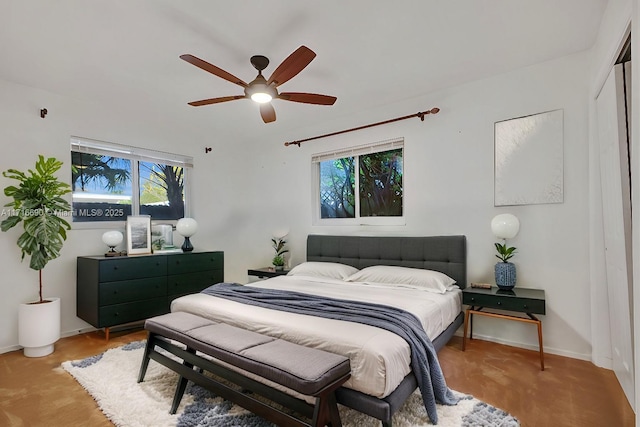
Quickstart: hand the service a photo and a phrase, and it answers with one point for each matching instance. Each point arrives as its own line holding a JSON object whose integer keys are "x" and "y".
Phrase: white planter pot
{"x": 39, "y": 327}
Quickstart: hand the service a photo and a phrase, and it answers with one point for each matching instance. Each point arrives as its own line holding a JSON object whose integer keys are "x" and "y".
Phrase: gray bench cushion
{"x": 303, "y": 369}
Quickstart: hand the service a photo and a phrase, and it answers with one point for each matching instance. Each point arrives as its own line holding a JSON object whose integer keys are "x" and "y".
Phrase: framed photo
{"x": 138, "y": 235}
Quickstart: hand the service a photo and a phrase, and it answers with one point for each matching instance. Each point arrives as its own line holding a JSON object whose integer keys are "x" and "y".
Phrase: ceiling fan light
{"x": 261, "y": 97}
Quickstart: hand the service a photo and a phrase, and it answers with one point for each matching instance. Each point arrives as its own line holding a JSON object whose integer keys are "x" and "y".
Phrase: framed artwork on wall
{"x": 139, "y": 235}
{"x": 529, "y": 159}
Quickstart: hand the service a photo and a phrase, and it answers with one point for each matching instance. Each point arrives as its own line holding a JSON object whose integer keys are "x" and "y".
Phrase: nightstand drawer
{"x": 123, "y": 268}
{"x": 522, "y": 305}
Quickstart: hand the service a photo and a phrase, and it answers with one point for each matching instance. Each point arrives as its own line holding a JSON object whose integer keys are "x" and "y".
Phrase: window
{"x": 373, "y": 195}
{"x": 110, "y": 182}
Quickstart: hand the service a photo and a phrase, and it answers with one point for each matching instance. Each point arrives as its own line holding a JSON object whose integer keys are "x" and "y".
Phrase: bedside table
{"x": 266, "y": 272}
{"x": 518, "y": 300}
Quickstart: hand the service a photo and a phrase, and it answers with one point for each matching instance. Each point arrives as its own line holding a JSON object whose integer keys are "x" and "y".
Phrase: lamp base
{"x": 186, "y": 246}
{"x": 114, "y": 253}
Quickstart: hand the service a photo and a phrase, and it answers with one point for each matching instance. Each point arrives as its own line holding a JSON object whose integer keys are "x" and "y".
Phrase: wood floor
{"x": 37, "y": 392}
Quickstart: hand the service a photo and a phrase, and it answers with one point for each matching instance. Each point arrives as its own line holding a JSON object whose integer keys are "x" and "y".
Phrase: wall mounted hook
{"x": 43, "y": 112}
{"x": 207, "y": 150}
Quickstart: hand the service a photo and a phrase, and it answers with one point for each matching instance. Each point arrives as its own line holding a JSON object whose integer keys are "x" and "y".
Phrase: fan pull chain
{"x": 421, "y": 115}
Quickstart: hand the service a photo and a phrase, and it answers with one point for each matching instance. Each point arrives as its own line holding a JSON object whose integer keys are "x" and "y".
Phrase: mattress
{"x": 379, "y": 358}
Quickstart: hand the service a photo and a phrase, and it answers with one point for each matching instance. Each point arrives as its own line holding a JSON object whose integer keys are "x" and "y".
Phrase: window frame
{"x": 356, "y": 152}
{"x": 135, "y": 155}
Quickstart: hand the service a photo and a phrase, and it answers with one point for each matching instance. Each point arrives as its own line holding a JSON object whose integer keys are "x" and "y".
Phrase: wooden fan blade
{"x": 213, "y": 69}
{"x": 267, "y": 112}
{"x": 216, "y": 100}
{"x": 292, "y": 65}
{"x": 308, "y": 98}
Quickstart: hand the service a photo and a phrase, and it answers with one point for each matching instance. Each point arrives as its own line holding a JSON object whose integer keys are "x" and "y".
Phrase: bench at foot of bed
{"x": 305, "y": 370}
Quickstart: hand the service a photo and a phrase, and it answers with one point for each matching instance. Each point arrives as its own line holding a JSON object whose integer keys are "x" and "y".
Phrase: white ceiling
{"x": 123, "y": 54}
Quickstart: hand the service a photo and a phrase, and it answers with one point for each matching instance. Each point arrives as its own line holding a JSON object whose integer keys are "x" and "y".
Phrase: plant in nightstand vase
{"x": 279, "y": 247}
{"x": 505, "y": 226}
{"x": 36, "y": 200}
{"x": 505, "y": 271}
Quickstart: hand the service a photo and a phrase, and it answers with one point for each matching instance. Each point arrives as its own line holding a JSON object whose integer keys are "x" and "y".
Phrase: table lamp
{"x": 187, "y": 227}
{"x": 112, "y": 239}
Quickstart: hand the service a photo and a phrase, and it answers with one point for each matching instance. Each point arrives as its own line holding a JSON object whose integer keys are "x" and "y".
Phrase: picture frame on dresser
{"x": 139, "y": 235}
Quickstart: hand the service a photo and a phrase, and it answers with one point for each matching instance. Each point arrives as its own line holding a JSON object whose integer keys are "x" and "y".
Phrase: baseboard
{"x": 533, "y": 347}
{"x": 73, "y": 332}
{"x": 10, "y": 348}
{"x": 77, "y": 332}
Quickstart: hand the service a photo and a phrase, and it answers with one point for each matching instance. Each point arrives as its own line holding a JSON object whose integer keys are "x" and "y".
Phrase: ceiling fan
{"x": 263, "y": 90}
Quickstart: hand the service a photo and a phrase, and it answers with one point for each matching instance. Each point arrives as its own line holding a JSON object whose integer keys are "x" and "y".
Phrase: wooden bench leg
{"x": 325, "y": 412}
{"x": 145, "y": 357}
{"x": 182, "y": 385}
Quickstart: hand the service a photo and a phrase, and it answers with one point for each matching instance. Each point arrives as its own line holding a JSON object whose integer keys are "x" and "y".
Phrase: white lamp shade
{"x": 112, "y": 238}
{"x": 187, "y": 227}
{"x": 505, "y": 226}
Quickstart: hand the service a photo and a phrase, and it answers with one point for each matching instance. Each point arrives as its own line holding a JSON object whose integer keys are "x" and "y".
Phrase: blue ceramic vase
{"x": 505, "y": 275}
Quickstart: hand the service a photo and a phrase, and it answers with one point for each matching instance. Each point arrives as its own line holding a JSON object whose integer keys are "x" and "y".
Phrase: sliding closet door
{"x": 616, "y": 210}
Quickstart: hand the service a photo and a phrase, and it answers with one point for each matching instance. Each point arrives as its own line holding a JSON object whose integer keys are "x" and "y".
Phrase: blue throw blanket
{"x": 424, "y": 361}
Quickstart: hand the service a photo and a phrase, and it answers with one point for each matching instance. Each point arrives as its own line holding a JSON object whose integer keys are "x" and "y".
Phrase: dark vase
{"x": 505, "y": 275}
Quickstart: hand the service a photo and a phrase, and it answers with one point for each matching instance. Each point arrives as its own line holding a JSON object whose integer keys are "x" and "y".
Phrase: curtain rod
{"x": 421, "y": 115}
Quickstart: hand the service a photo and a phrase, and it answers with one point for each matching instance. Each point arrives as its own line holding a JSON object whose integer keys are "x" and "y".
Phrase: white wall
{"x": 246, "y": 189}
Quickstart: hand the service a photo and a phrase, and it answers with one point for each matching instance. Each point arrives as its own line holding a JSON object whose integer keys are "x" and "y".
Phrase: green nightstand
{"x": 519, "y": 300}
{"x": 266, "y": 272}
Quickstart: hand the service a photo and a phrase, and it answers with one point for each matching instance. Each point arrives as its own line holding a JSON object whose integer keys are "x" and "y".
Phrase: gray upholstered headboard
{"x": 447, "y": 254}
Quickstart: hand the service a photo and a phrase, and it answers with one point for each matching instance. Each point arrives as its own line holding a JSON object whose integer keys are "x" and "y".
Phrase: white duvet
{"x": 379, "y": 358}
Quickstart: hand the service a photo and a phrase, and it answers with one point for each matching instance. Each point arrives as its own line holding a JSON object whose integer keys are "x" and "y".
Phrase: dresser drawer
{"x": 132, "y": 268}
{"x": 190, "y": 283}
{"x": 132, "y": 311}
{"x": 132, "y": 290}
{"x": 522, "y": 305}
{"x": 191, "y": 262}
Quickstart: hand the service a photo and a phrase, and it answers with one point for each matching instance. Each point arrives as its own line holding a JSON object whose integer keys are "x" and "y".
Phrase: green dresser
{"x": 118, "y": 290}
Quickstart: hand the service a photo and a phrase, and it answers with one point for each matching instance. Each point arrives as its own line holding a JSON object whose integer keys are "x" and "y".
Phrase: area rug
{"x": 111, "y": 379}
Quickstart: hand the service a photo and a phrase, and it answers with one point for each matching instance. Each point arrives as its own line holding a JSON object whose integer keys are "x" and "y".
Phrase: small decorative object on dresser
{"x": 139, "y": 235}
{"x": 187, "y": 227}
{"x": 162, "y": 238}
{"x": 112, "y": 239}
{"x": 505, "y": 226}
{"x": 278, "y": 245}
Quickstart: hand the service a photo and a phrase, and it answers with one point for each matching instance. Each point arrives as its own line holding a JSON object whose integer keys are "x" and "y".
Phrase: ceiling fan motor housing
{"x": 259, "y": 62}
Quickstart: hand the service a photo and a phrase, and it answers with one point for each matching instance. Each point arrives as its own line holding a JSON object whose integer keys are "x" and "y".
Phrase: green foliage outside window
{"x": 380, "y": 185}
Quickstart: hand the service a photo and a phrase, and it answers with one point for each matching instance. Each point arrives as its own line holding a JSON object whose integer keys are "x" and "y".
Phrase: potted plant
{"x": 505, "y": 271}
{"x": 37, "y": 203}
{"x": 278, "y": 246}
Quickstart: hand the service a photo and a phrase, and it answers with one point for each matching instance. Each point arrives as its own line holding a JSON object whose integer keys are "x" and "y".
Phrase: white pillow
{"x": 332, "y": 270}
{"x": 415, "y": 278}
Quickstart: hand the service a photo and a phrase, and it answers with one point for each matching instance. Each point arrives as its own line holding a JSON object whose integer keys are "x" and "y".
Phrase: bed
{"x": 381, "y": 378}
